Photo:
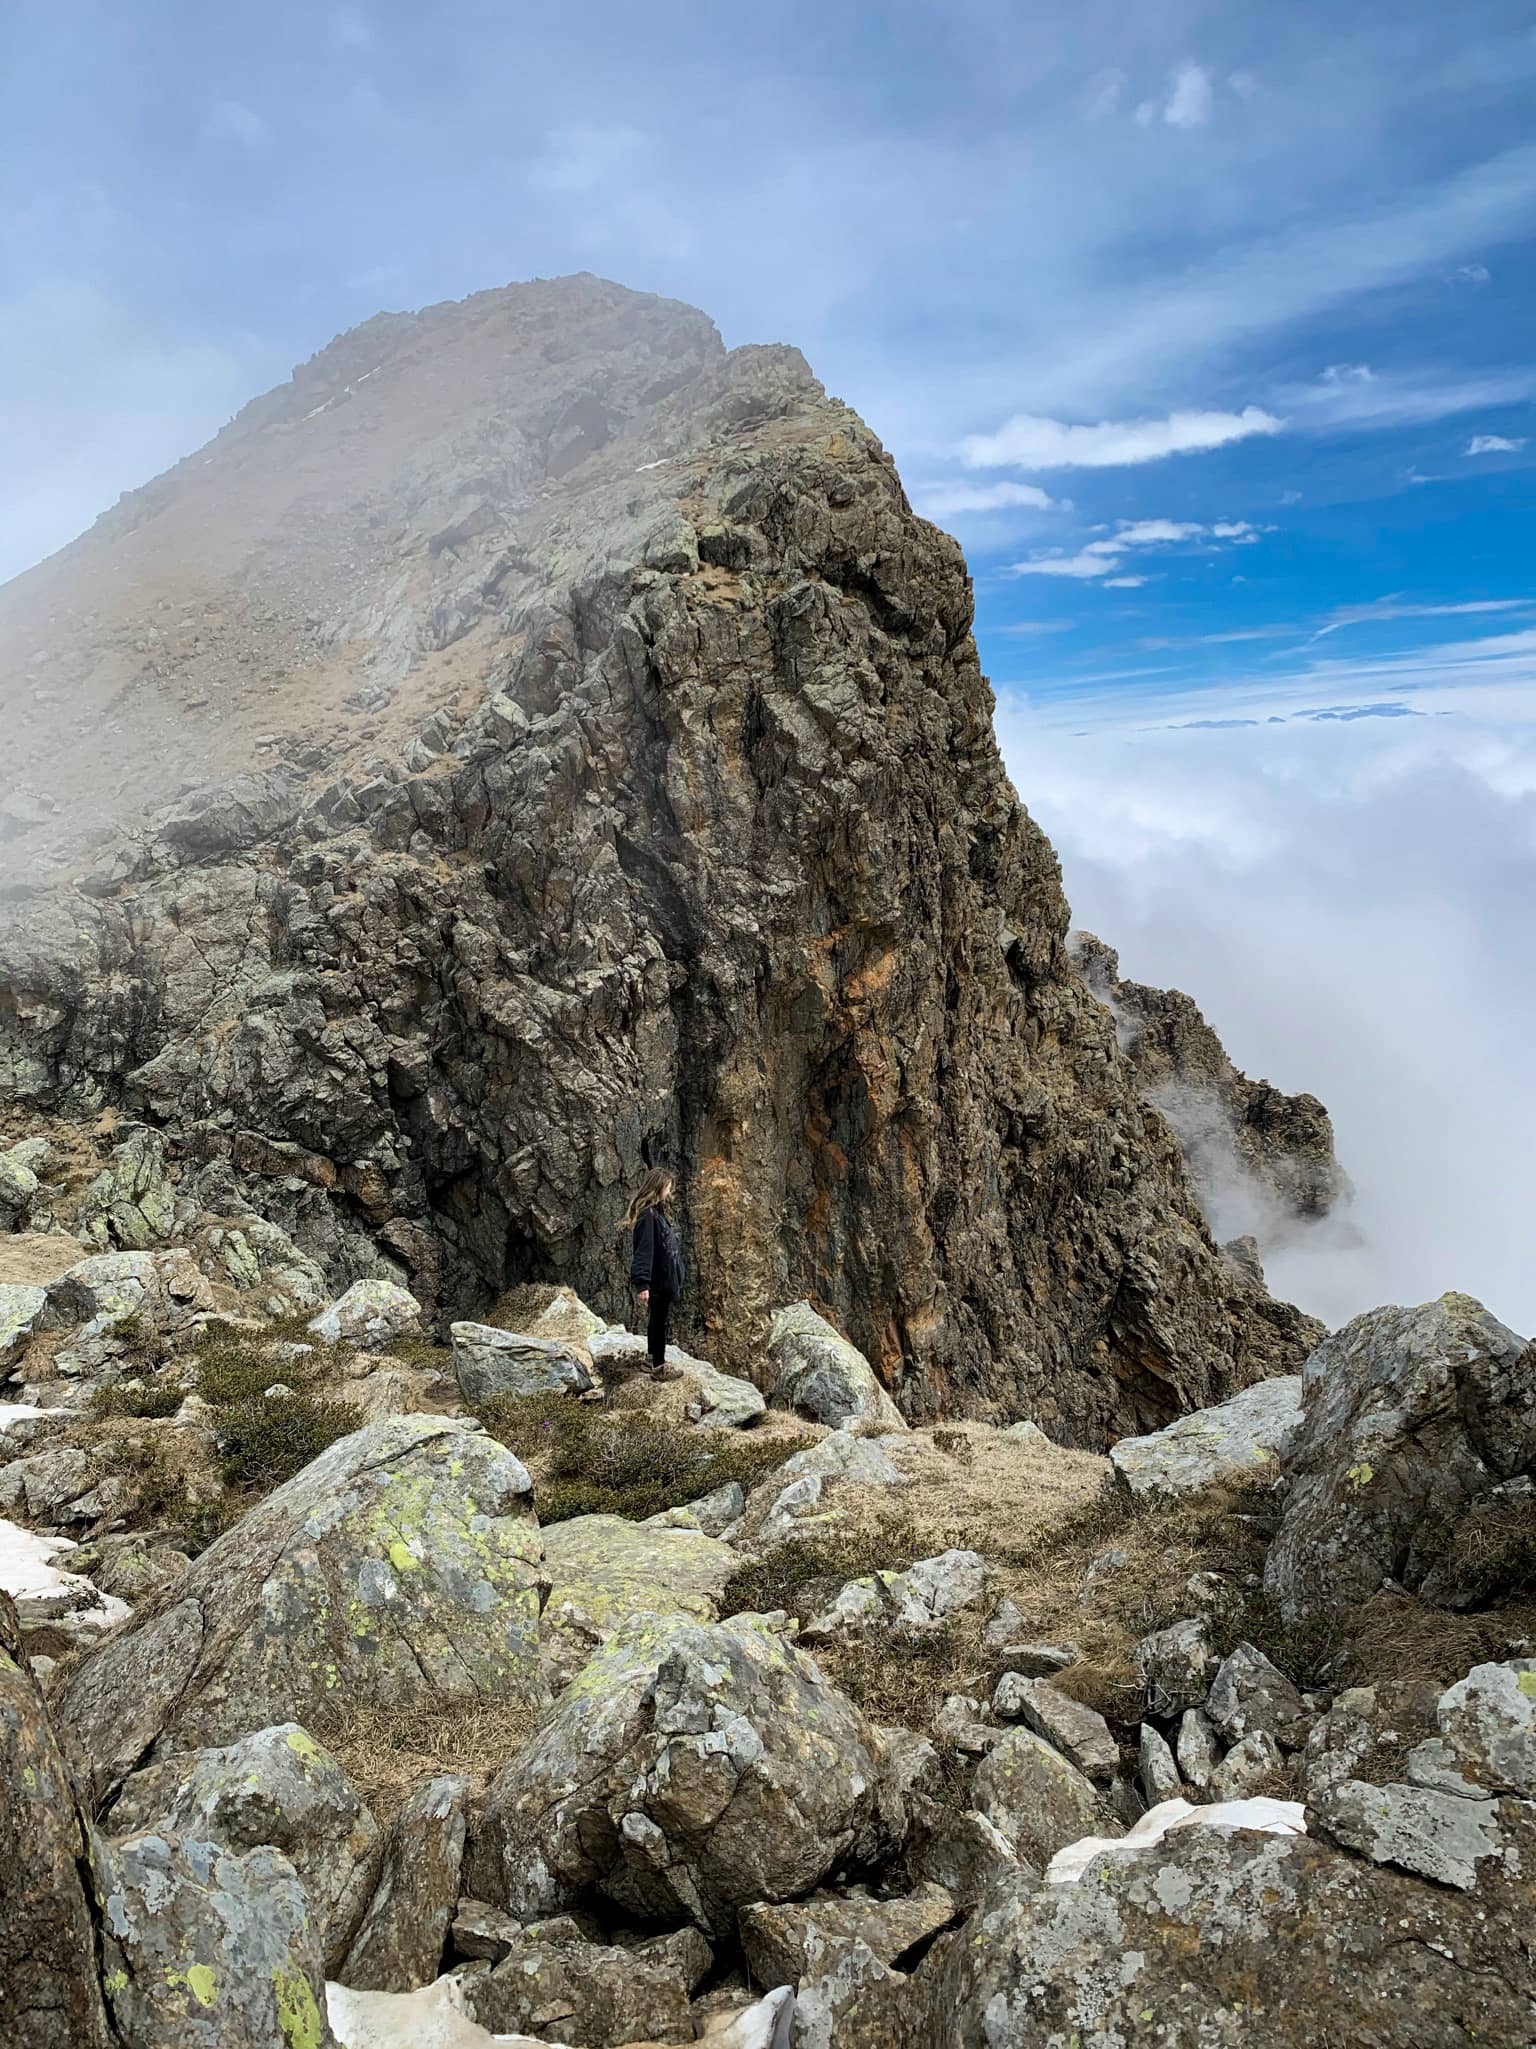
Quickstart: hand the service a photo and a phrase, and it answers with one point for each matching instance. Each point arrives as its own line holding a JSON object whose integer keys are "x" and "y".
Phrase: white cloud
{"x": 1189, "y": 100}
{"x": 1029, "y": 442}
{"x": 950, "y": 500}
{"x": 1495, "y": 444}
{"x": 1471, "y": 274}
{"x": 1101, "y": 557}
{"x": 233, "y": 121}
{"x": 1090, "y": 561}
{"x": 1211, "y": 858}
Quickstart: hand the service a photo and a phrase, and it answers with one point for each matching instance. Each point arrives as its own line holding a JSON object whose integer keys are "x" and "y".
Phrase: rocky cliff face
{"x": 1261, "y": 1162}
{"x": 535, "y": 742}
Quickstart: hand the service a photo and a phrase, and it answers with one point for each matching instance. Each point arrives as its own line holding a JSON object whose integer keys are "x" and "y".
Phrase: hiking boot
{"x": 665, "y": 1372}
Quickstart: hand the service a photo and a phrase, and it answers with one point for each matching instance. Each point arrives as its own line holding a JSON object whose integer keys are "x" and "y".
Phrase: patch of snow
{"x": 1265, "y": 1816}
{"x": 660, "y": 461}
{"x": 42, "y": 1589}
{"x": 9, "y": 1411}
{"x": 433, "y": 2018}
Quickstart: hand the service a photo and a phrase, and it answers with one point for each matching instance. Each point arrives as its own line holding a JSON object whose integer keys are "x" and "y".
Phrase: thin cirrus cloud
{"x": 1496, "y": 444}
{"x": 1030, "y": 442}
{"x": 1350, "y": 395}
{"x": 1104, "y": 559}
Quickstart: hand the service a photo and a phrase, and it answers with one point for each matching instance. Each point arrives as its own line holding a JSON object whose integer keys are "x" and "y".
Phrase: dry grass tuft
{"x": 1394, "y": 1637}
{"x": 388, "y": 1752}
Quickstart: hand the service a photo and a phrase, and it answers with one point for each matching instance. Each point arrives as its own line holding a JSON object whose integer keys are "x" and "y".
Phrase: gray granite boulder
{"x": 1176, "y": 1666}
{"x": 572, "y": 1990}
{"x": 400, "y": 1567}
{"x": 1411, "y": 1416}
{"x": 1250, "y": 1693}
{"x": 405, "y": 1928}
{"x": 688, "y": 1771}
{"x": 916, "y": 1601}
{"x": 277, "y": 1789}
{"x": 370, "y": 1314}
{"x": 1488, "y": 1723}
{"x": 1037, "y": 1801}
{"x": 21, "y": 1309}
{"x": 1079, "y": 1732}
{"x": 203, "y": 1948}
{"x": 1233, "y": 1441}
{"x": 817, "y": 1371}
{"x": 488, "y": 1362}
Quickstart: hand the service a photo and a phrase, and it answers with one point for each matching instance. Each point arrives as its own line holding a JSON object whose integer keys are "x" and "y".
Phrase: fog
{"x": 1350, "y": 904}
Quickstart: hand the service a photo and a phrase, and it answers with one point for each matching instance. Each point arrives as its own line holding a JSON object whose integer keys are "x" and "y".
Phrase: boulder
{"x": 711, "y": 1514}
{"x": 47, "y": 1593}
{"x": 820, "y": 1373}
{"x": 1233, "y": 1441}
{"x": 160, "y": 1291}
{"x": 849, "y": 1999}
{"x": 780, "y": 1942}
{"x": 602, "y": 1569}
{"x": 797, "y": 1494}
{"x": 960, "y": 1849}
{"x": 52, "y": 1995}
{"x": 19, "y": 1187}
{"x": 44, "y": 1486}
{"x": 569, "y": 1990}
{"x": 21, "y": 1310}
{"x": 277, "y": 1789}
{"x": 1267, "y": 1817}
{"x": 1250, "y": 1694}
{"x": 370, "y": 1314}
{"x": 405, "y": 1929}
{"x": 915, "y": 1602}
{"x": 1411, "y": 1416}
{"x": 488, "y": 1362}
{"x": 712, "y": 1397}
{"x": 1176, "y": 1666}
{"x": 1079, "y": 1732}
{"x": 398, "y": 1568}
{"x": 1437, "y": 1835}
{"x": 1274, "y": 1941}
{"x": 688, "y": 1771}
{"x": 1036, "y": 1800}
{"x": 202, "y": 1948}
{"x": 131, "y": 1203}
{"x": 1488, "y": 1723}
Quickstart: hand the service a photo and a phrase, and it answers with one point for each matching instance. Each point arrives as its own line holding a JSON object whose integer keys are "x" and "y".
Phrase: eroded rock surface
{"x": 542, "y": 656}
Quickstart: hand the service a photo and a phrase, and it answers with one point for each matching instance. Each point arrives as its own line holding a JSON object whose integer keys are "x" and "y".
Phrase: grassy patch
{"x": 1491, "y": 1555}
{"x": 801, "y": 1576}
{"x": 594, "y": 1461}
{"x": 420, "y": 1352}
{"x": 164, "y": 1497}
{"x": 388, "y": 1752}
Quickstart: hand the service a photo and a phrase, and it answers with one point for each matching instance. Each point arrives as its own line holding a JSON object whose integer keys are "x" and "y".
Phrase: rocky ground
{"x": 362, "y": 1690}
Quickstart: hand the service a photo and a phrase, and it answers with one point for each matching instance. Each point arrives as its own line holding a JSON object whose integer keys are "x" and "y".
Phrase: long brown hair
{"x": 652, "y": 1193}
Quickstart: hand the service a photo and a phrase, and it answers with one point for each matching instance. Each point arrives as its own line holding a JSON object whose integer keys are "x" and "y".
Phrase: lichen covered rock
{"x": 1411, "y": 1416}
{"x": 396, "y": 1569}
{"x": 1236, "y": 1440}
{"x": 686, "y": 1772}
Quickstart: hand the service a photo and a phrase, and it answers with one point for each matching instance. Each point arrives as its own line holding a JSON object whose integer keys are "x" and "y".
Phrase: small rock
{"x": 1080, "y": 1733}
{"x": 1488, "y": 1720}
{"x": 959, "y": 1723}
{"x": 1246, "y": 1766}
{"x": 482, "y": 1931}
{"x": 597, "y": 1995}
{"x": 1155, "y": 1768}
{"x": 780, "y": 1941}
{"x": 1176, "y": 1666}
{"x": 1196, "y": 1749}
{"x": 1035, "y": 1660}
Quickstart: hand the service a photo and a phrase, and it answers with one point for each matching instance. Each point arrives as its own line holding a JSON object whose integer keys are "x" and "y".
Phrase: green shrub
{"x": 266, "y": 1439}
{"x": 595, "y": 1461}
{"x": 143, "y": 1402}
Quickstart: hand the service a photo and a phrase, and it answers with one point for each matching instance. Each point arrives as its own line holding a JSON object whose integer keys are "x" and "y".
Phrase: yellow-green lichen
{"x": 1360, "y": 1475}
{"x": 297, "y": 2014}
{"x": 201, "y": 1984}
{"x": 303, "y": 1745}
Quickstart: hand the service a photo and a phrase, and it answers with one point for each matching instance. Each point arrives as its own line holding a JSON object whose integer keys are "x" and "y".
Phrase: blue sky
{"x": 1206, "y": 327}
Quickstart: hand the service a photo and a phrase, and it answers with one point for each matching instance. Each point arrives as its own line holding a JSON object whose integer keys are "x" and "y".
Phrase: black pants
{"x": 656, "y": 1321}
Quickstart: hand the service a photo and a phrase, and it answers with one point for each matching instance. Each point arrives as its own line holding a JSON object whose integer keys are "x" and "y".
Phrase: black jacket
{"x": 657, "y": 1262}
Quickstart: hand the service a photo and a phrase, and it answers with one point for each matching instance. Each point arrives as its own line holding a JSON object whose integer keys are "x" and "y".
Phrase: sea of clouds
{"x": 1350, "y": 900}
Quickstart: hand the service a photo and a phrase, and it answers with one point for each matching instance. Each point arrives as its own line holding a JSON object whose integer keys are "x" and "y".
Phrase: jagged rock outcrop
{"x": 1257, "y": 1157}
{"x": 600, "y": 769}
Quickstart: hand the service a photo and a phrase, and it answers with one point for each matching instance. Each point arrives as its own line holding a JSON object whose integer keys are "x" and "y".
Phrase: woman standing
{"x": 656, "y": 1272}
